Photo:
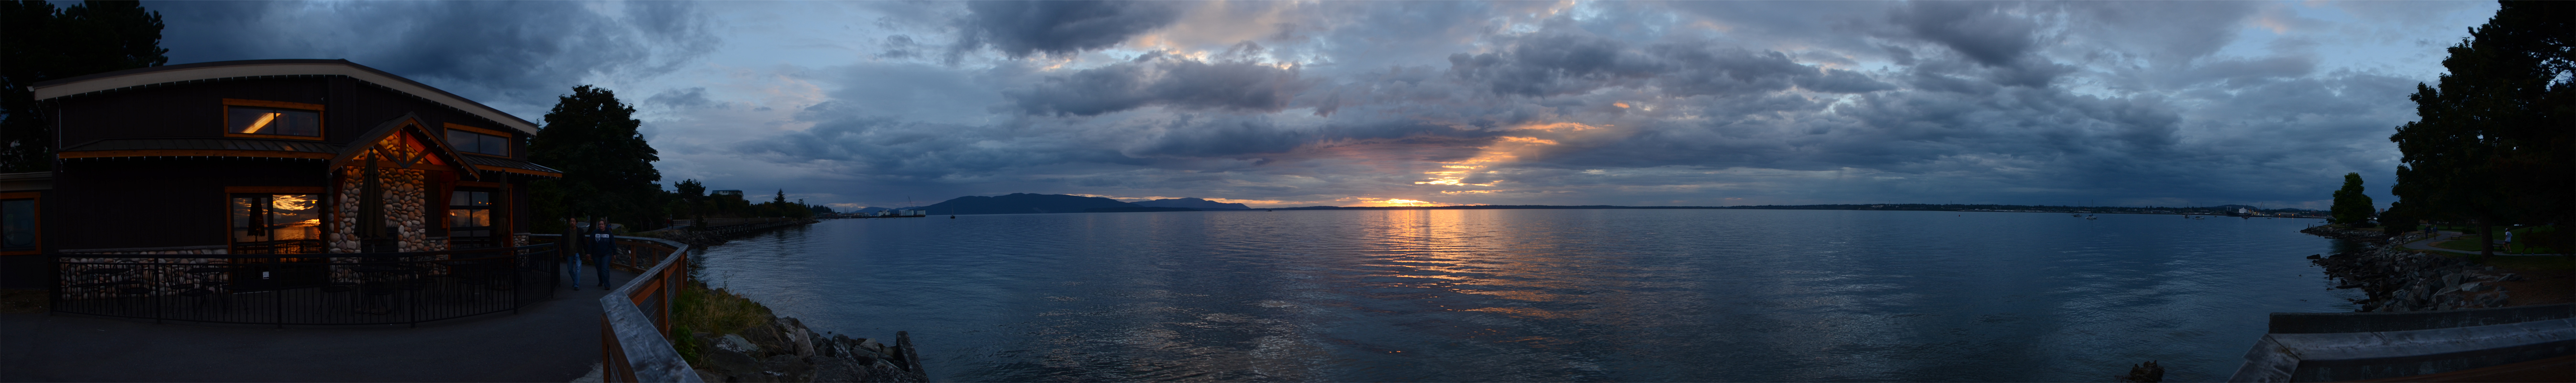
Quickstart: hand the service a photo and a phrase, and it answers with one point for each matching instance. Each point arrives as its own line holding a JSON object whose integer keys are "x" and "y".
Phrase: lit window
{"x": 471, "y": 142}
{"x": 274, "y": 121}
{"x": 469, "y": 219}
{"x": 277, "y": 223}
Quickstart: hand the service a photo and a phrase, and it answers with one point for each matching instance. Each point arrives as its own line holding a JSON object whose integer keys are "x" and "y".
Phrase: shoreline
{"x": 773, "y": 348}
{"x": 2394, "y": 278}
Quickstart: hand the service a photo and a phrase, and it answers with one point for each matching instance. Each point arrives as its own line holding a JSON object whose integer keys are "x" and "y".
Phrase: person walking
{"x": 574, "y": 248}
{"x": 602, "y": 246}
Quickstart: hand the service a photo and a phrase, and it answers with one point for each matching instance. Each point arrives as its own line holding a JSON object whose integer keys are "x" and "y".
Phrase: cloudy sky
{"x": 1372, "y": 103}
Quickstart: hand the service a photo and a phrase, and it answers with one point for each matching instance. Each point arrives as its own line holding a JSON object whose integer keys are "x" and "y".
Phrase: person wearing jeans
{"x": 596, "y": 244}
{"x": 602, "y": 246}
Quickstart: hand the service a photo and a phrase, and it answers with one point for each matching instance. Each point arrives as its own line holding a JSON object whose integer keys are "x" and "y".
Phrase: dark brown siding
{"x": 157, "y": 203}
{"x": 184, "y": 110}
{"x": 351, "y": 108}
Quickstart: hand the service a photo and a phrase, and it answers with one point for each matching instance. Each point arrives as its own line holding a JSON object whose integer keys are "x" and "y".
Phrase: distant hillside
{"x": 1193, "y": 203}
{"x": 1024, "y": 203}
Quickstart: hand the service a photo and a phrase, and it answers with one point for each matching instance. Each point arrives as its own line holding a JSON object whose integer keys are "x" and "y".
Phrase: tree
{"x": 40, "y": 43}
{"x": 2491, "y": 142}
{"x": 689, "y": 189}
{"x": 2351, "y": 206}
{"x": 608, "y": 168}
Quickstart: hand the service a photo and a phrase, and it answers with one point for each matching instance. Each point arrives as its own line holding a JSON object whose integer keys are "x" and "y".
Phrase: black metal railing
{"x": 306, "y": 289}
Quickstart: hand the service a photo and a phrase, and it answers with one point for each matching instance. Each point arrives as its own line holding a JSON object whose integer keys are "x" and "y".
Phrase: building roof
{"x": 510, "y": 165}
{"x": 201, "y": 147}
{"x": 409, "y": 122}
{"x": 217, "y": 70}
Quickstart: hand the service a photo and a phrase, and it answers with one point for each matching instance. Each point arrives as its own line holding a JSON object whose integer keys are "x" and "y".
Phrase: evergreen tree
{"x": 40, "y": 43}
{"x": 2351, "y": 206}
{"x": 608, "y": 168}
{"x": 2491, "y": 142}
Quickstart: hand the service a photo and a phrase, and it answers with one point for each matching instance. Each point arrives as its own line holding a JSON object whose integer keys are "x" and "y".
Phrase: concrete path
{"x": 551, "y": 341}
{"x": 2449, "y": 235}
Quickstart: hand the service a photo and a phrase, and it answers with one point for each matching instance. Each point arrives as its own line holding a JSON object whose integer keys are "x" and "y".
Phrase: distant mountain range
{"x": 1026, "y": 203}
{"x": 1193, "y": 203}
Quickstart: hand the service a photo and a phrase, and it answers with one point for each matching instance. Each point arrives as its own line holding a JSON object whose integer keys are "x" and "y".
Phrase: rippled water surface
{"x": 1543, "y": 295}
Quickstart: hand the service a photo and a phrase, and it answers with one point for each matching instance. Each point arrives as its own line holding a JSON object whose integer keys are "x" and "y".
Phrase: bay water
{"x": 1543, "y": 295}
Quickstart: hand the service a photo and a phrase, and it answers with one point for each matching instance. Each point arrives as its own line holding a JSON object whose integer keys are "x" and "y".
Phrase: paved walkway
{"x": 551, "y": 341}
{"x": 2449, "y": 235}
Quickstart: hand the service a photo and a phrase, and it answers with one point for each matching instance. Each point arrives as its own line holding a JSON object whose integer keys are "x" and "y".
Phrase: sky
{"x": 1387, "y": 103}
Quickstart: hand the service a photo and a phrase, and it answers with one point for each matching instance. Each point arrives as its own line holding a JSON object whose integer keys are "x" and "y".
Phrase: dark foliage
{"x": 39, "y": 43}
{"x": 2351, "y": 205}
{"x": 2492, "y": 144}
{"x": 608, "y": 168}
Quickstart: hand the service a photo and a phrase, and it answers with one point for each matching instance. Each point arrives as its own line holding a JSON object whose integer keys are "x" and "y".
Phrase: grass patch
{"x": 2528, "y": 240}
{"x": 2520, "y": 263}
{"x": 713, "y": 311}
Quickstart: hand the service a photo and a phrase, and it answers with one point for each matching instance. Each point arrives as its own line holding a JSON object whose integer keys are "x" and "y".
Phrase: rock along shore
{"x": 2396, "y": 279}
{"x": 785, "y": 351}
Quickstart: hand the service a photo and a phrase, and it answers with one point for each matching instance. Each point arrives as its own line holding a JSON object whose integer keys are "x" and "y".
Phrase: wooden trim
{"x": 419, "y": 166}
{"x": 517, "y": 170}
{"x": 228, "y": 133}
{"x": 474, "y": 184}
{"x": 273, "y": 190}
{"x": 194, "y": 153}
{"x": 451, "y": 125}
{"x": 40, "y": 220}
{"x": 273, "y": 104}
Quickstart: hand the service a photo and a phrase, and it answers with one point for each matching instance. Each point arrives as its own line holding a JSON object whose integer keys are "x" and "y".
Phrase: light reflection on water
{"x": 1531, "y": 295}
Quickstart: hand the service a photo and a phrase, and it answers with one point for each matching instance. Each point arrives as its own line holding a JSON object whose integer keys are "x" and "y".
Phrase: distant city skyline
{"x": 1282, "y": 104}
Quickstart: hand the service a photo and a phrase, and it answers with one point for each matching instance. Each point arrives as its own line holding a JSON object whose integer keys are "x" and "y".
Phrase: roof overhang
{"x": 263, "y": 68}
{"x": 408, "y": 123}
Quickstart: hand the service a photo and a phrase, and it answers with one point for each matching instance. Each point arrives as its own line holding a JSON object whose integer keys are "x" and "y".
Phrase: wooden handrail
{"x": 635, "y": 344}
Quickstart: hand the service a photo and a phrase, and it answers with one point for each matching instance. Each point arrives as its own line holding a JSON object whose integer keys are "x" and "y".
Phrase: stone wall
{"x": 163, "y": 279}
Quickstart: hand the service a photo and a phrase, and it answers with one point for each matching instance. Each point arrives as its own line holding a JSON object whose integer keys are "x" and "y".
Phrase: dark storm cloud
{"x": 1024, "y": 28}
{"x": 493, "y": 51}
{"x": 1157, "y": 79}
{"x": 681, "y": 98}
{"x": 1570, "y": 63}
{"x": 1981, "y": 30}
{"x": 1613, "y": 102}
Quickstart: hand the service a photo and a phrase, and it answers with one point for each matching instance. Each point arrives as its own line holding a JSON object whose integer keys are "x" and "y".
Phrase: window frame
{"x": 322, "y": 200}
{"x": 492, "y": 221}
{"x": 508, "y": 142}
{"x": 321, "y": 128}
{"x": 38, "y": 199}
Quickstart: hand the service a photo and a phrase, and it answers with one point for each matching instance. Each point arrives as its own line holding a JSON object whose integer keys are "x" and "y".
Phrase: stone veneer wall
{"x": 164, "y": 282}
{"x": 343, "y": 236}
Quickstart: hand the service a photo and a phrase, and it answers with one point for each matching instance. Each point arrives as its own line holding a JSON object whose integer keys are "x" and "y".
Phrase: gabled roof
{"x": 264, "y": 68}
{"x": 407, "y": 123}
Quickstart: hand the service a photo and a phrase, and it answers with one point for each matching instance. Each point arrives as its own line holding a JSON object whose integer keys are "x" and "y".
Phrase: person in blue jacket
{"x": 601, "y": 247}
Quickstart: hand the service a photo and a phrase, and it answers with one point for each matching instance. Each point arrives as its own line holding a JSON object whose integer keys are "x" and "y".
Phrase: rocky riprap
{"x": 2340, "y": 232}
{"x": 785, "y": 351}
{"x": 2396, "y": 279}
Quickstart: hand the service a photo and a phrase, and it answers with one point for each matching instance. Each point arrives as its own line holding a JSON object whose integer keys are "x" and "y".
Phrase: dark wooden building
{"x": 265, "y": 157}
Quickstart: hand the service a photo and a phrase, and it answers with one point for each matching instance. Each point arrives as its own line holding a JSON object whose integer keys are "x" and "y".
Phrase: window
{"x": 271, "y": 118}
{"x": 276, "y": 223}
{"x": 469, "y": 219}
{"x": 478, "y": 143}
{"x": 18, "y": 225}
